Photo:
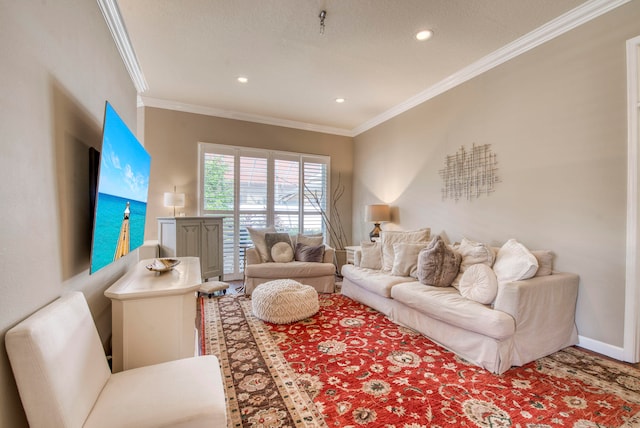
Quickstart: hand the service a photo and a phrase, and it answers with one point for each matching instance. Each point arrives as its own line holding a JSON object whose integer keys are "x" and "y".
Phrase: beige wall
{"x": 556, "y": 118}
{"x": 172, "y": 139}
{"x": 59, "y": 64}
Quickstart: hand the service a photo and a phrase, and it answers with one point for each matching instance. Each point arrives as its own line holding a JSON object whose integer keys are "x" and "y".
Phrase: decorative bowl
{"x": 163, "y": 265}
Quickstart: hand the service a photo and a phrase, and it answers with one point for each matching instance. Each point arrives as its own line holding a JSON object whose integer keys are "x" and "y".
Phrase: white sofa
{"x": 64, "y": 379}
{"x": 528, "y": 319}
{"x": 320, "y": 276}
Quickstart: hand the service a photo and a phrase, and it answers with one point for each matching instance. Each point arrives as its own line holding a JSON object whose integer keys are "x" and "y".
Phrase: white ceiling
{"x": 192, "y": 51}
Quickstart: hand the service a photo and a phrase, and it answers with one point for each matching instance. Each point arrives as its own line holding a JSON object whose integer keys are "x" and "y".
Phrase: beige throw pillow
{"x": 371, "y": 255}
{"x": 545, "y": 262}
{"x": 390, "y": 237}
{"x": 479, "y": 283}
{"x": 514, "y": 262}
{"x": 405, "y": 262}
{"x": 472, "y": 253}
{"x": 257, "y": 236}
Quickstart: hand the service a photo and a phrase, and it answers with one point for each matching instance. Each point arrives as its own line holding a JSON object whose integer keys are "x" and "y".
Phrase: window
{"x": 253, "y": 187}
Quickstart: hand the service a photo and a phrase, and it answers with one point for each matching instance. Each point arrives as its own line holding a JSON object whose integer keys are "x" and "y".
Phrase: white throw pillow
{"x": 471, "y": 253}
{"x": 514, "y": 262}
{"x": 281, "y": 252}
{"x": 390, "y": 237}
{"x": 258, "y": 239}
{"x": 479, "y": 283}
{"x": 405, "y": 262}
{"x": 371, "y": 255}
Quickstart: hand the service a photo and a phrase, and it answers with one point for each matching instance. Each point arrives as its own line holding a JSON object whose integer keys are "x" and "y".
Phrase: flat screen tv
{"x": 121, "y": 196}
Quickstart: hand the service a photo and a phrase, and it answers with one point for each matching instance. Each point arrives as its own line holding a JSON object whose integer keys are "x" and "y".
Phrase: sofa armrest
{"x": 543, "y": 308}
{"x": 329, "y": 254}
{"x": 538, "y": 295}
{"x": 357, "y": 257}
{"x": 252, "y": 256}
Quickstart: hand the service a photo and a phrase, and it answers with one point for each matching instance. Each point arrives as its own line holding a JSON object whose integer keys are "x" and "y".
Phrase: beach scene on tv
{"x": 121, "y": 203}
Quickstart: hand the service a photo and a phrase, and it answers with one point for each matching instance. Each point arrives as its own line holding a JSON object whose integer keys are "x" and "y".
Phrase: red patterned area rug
{"x": 349, "y": 366}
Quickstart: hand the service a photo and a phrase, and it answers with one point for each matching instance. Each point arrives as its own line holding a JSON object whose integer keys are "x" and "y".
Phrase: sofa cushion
{"x": 472, "y": 253}
{"x": 438, "y": 264}
{"x": 293, "y": 269}
{"x": 281, "y": 242}
{"x": 479, "y": 283}
{"x": 514, "y": 262}
{"x": 375, "y": 281}
{"x": 371, "y": 255}
{"x": 390, "y": 237}
{"x": 405, "y": 260}
{"x": 447, "y": 305}
{"x": 309, "y": 253}
{"x": 257, "y": 236}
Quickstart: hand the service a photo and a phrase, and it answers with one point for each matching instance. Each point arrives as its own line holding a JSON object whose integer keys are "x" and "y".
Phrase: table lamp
{"x": 376, "y": 214}
{"x": 173, "y": 199}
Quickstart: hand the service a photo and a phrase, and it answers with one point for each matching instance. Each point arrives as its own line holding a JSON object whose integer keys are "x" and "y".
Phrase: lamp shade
{"x": 377, "y": 213}
{"x": 172, "y": 199}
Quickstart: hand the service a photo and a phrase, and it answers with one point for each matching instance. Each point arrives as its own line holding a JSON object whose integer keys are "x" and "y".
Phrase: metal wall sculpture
{"x": 469, "y": 173}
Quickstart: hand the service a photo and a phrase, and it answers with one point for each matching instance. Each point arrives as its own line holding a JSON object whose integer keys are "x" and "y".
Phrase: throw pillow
{"x": 405, "y": 261}
{"x": 514, "y": 262}
{"x": 258, "y": 239}
{"x": 273, "y": 238}
{"x": 390, "y": 237}
{"x": 472, "y": 253}
{"x": 371, "y": 254}
{"x": 313, "y": 240}
{"x": 545, "y": 262}
{"x": 438, "y": 264}
{"x": 479, "y": 283}
{"x": 309, "y": 253}
{"x": 281, "y": 252}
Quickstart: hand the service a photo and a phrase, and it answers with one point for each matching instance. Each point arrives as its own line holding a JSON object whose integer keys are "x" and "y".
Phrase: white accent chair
{"x": 64, "y": 379}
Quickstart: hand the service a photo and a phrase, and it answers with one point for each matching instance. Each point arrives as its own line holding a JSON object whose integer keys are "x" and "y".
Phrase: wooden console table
{"x": 154, "y": 314}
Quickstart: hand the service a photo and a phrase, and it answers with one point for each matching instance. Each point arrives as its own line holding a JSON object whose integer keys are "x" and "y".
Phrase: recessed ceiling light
{"x": 242, "y": 79}
{"x": 340, "y": 100}
{"x": 424, "y": 35}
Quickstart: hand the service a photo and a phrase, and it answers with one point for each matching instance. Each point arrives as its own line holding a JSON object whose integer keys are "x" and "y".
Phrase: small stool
{"x": 209, "y": 288}
{"x": 284, "y": 301}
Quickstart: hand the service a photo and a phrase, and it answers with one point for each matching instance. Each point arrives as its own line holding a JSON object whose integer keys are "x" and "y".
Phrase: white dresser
{"x": 193, "y": 237}
{"x": 154, "y": 314}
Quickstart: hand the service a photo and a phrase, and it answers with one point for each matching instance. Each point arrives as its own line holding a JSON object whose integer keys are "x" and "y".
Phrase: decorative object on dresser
{"x": 194, "y": 237}
{"x": 376, "y": 214}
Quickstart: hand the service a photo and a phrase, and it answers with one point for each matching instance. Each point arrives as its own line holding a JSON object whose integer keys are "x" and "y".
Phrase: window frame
{"x": 271, "y": 213}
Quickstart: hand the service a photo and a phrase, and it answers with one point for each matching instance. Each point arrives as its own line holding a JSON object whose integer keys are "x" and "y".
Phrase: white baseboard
{"x": 601, "y": 348}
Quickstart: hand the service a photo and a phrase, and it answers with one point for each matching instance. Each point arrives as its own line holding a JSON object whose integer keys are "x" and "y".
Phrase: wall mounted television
{"x": 121, "y": 195}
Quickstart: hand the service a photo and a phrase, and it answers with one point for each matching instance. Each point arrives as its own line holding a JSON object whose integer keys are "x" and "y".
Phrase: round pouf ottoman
{"x": 284, "y": 301}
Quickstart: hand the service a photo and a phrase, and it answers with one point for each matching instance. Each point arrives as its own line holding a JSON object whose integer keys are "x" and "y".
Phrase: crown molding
{"x": 112, "y": 16}
{"x": 229, "y": 114}
{"x": 552, "y": 29}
